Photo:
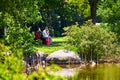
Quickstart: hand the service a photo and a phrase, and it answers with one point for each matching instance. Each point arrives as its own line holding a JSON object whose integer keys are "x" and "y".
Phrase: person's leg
{"x": 44, "y": 40}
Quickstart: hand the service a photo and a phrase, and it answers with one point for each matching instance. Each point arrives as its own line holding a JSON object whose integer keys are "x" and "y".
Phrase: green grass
{"x": 58, "y": 43}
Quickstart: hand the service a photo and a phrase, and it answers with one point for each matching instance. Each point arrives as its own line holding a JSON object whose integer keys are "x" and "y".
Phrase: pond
{"x": 99, "y": 72}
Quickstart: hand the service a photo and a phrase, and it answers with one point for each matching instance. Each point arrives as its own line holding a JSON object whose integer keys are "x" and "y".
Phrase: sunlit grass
{"x": 58, "y": 43}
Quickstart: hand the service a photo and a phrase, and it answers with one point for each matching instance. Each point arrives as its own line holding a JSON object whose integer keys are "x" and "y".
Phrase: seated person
{"x": 38, "y": 34}
{"x": 46, "y": 34}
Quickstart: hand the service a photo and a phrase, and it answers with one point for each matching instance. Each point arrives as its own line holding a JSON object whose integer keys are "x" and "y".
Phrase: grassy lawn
{"x": 58, "y": 43}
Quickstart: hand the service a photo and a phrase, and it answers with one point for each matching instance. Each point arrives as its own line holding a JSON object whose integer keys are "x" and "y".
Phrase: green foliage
{"x": 3, "y": 50}
{"x": 38, "y": 42}
{"x": 20, "y": 12}
{"x": 15, "y": 18}
{"x": 91, "y": 40}
{"x": 12, "y": 68}
{"x": 83, "y": 6}
{"x": 57, "y": 14}
{"x": 109, "y": 10}
{"x": 20, "y": 38}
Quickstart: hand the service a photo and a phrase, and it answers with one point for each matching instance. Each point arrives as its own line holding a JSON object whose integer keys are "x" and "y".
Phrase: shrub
{"x": 11, "y": 67}
{"x": 20, "y": 38}
{"x": 91, "y": 41}
{"x": 3, "y": 49}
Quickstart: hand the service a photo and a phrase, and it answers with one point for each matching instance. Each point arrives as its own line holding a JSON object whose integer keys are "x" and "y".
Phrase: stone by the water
{"x": 63, "y": 57}
{"x": 35, "y": 58}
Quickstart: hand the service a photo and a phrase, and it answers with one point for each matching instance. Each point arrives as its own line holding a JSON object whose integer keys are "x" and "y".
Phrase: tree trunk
{"x": 93, "y": 10}
{"x": 5, "y": 31}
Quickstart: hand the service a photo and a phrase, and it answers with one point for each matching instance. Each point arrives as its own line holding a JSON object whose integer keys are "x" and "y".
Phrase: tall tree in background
{"x": 57, "y": 14}
{"x": 92, "y": 5}
{"x": 93, "y": 9}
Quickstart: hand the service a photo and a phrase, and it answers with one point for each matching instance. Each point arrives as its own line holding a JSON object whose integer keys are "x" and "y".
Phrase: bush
{"x": 91, "y": 41}
{"x": 20, "y": 38}
{"x": 11, "y": 67}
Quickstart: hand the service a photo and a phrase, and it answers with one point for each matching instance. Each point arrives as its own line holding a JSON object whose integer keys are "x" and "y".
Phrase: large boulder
{"x": 63, "y": 57}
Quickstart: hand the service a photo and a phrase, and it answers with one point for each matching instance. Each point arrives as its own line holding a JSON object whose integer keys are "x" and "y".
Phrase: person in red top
{"x": 38, "y": 34}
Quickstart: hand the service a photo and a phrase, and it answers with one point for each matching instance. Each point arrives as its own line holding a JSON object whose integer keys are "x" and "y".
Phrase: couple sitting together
{"x": 43, "y": 35}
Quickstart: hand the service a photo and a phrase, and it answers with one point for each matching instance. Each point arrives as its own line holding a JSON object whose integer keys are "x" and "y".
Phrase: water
{"x": 99, "y": 72}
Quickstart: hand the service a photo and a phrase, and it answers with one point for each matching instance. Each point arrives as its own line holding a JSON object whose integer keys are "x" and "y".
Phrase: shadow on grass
{"x": 58, "y": 43}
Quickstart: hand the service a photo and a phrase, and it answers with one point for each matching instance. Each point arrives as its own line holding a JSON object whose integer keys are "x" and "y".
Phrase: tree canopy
{"x": 19, "y": 12}
{"x": 109, "y": 11}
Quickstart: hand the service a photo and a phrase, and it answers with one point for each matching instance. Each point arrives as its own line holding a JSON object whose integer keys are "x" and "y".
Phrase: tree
{"x": 109, "y": 10}
{"x": 92, "y": 5}
{"x": 19, "y": 12}
{"x": 93, "y": 9}
{"x": 57, "y": 14}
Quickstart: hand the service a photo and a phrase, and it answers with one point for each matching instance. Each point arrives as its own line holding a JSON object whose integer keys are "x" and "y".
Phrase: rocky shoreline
{"x": 40, "y": 59}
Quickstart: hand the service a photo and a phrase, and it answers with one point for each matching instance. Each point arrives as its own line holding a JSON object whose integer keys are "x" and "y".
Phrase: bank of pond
{"x": 71, "y": 66}
{"x": 107, "y": 71}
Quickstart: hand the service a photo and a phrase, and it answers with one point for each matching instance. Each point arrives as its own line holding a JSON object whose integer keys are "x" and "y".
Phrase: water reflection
{"x": 66, "y": 71}
{"x": 99, "y": 72}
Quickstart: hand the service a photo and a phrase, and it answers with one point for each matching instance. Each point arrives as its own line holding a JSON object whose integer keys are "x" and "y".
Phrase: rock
{"x": 92, "y": 64}
{"x": 35, "y": 58}
{"x": 63, "y": 57}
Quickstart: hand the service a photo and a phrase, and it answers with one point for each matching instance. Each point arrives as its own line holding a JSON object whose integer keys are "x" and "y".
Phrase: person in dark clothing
{"x": 38, "y": 34}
